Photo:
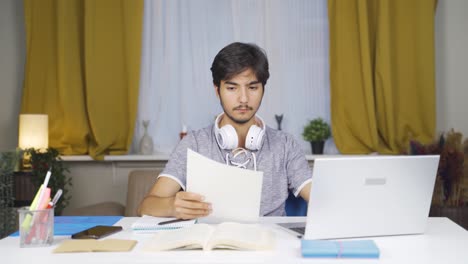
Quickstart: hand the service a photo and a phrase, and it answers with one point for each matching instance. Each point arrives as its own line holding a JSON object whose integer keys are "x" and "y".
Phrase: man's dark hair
{"x": 238, "y": 57}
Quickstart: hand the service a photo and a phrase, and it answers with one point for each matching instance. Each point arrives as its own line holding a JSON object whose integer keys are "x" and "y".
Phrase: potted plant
{"x": 8, "y": 221}
{"x": 41, "y": 162}
{"x": 316, "y": 132}
{"x": 450, "y": 196}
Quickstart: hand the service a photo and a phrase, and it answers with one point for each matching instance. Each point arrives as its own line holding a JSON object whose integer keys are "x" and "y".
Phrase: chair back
{"x": 139, "y": 183}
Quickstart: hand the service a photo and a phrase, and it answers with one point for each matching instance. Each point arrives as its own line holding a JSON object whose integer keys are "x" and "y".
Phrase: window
{"x": 181, "y": 39}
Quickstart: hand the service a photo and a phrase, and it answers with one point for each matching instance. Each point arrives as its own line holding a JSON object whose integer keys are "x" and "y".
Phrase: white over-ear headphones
{"x": 226, "y": 136}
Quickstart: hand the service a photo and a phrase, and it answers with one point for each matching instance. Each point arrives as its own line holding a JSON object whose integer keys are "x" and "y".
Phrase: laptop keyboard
{"x": 300, "y": 230}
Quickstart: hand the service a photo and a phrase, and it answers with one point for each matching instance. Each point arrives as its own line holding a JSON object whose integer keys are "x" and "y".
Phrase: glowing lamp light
{"x": 33, "y": 131}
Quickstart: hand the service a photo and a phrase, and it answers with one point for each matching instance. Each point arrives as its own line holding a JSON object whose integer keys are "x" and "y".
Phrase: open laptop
{"x": 369, "y": 196}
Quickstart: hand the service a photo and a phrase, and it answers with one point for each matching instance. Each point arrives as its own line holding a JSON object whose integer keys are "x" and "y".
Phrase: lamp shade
{"x": 33, "y": 131}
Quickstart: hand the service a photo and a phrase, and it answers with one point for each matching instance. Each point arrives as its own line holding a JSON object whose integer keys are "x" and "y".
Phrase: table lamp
{"x": 33, "y": 133}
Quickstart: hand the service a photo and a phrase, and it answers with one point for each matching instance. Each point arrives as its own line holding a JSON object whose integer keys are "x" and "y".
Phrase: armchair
{"x": 139, "y": 183}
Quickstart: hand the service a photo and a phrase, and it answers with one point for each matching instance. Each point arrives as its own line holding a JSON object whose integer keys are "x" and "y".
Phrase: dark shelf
{"x": 23, "y": 188}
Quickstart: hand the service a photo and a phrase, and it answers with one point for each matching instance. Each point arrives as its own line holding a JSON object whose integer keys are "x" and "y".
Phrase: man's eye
{"x": 230, "y": 88}
{"x": 253, "y": 87}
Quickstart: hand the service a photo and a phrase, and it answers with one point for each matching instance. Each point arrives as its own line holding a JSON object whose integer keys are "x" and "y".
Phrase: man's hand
{"x": 189, "y": 205}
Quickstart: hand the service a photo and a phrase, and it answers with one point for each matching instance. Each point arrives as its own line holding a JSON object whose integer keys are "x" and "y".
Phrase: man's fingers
{"x": 191, "y": 204}
{"x": 190, "y": 196}
{"x": 186, "y": 213}
{"x": 189, "y": 211}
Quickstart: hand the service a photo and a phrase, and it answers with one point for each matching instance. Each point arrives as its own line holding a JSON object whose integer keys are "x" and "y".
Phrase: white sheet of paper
{"x": 234, "y": 193}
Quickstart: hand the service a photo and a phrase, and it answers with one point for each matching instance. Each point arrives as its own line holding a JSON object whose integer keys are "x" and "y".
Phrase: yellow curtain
{"x": 382, "y": 74}
{"x": 82, "y": 69}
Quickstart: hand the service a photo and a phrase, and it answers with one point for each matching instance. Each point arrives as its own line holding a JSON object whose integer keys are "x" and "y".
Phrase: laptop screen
{"x": 370, "y": 196}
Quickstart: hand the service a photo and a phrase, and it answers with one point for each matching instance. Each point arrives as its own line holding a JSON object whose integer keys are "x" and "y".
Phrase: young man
{"x": 239, "y": 138}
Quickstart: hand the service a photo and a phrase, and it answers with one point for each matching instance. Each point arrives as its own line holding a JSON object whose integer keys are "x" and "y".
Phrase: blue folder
{"x": 339, "y": 249}
{"x": 68, "y": 225}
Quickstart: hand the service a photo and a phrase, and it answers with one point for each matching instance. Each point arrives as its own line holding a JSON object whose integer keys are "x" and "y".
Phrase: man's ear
{"x": 216, "y": 90}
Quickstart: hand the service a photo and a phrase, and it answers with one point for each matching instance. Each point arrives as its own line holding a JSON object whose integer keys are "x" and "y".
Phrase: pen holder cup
{"x": 36, "y": 227}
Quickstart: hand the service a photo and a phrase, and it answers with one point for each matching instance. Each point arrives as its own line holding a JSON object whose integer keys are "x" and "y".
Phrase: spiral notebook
{"x": 148, "y": 224}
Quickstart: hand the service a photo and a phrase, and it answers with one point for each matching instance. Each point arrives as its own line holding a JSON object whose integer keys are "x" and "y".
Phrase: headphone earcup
{"x": 253, "y": 140}
{"x": 227, "y": 137}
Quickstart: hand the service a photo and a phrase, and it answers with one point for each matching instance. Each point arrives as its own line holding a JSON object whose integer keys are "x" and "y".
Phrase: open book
{"x": 227, "y": 235}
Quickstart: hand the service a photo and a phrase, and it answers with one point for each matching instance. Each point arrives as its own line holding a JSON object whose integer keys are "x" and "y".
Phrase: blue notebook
{"x": 339, "y": 249}
{"x": 68, "y": 225}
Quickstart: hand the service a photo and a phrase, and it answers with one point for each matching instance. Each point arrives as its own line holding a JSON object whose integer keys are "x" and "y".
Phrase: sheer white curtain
{"x": 181, "y": 38}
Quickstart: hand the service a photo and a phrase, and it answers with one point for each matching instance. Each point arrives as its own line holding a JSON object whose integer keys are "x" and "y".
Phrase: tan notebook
{"x": 91, "y": 245}
{"x": 223, "y": 236}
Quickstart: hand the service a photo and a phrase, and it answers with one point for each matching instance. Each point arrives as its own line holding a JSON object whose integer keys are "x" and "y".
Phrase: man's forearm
{"x": 305, "y": 192}
{"x": 157, "y": 206}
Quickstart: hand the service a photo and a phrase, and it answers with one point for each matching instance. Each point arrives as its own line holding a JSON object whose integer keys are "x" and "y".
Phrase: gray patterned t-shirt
{"x": 280, "y": 157}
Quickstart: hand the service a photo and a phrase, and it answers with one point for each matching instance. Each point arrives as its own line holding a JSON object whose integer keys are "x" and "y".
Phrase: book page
{"x": 234, "y": 193}
{"x": 241, "y": 236}
{"x": 191, "y": 237}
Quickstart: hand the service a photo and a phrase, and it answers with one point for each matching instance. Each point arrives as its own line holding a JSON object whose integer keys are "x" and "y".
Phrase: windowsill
{"x": 165, "y": 157}
{"x": 131, "y": 157}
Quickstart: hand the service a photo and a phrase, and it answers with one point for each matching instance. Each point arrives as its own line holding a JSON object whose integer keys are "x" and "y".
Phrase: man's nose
{"x": 243, "y": 95}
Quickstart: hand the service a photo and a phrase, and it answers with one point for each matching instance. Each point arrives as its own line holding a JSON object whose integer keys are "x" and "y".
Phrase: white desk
{"x": 443, "y": 242}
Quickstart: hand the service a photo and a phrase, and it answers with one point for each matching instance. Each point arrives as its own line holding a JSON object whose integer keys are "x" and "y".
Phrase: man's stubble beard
{"x": 235, "y": 120}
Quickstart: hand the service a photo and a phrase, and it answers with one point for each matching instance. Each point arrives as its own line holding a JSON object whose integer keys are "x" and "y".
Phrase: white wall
{"x": 12, "y": 54}
{"x": 452, "y": 65}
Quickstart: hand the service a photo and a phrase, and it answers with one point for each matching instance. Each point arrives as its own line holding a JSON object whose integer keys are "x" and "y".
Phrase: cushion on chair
{"x": 295, "y": 206}
{"x": 139, "y": 183}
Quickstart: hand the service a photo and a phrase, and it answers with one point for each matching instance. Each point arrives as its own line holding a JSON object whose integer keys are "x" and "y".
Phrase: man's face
{"x": 240, "y": 96}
